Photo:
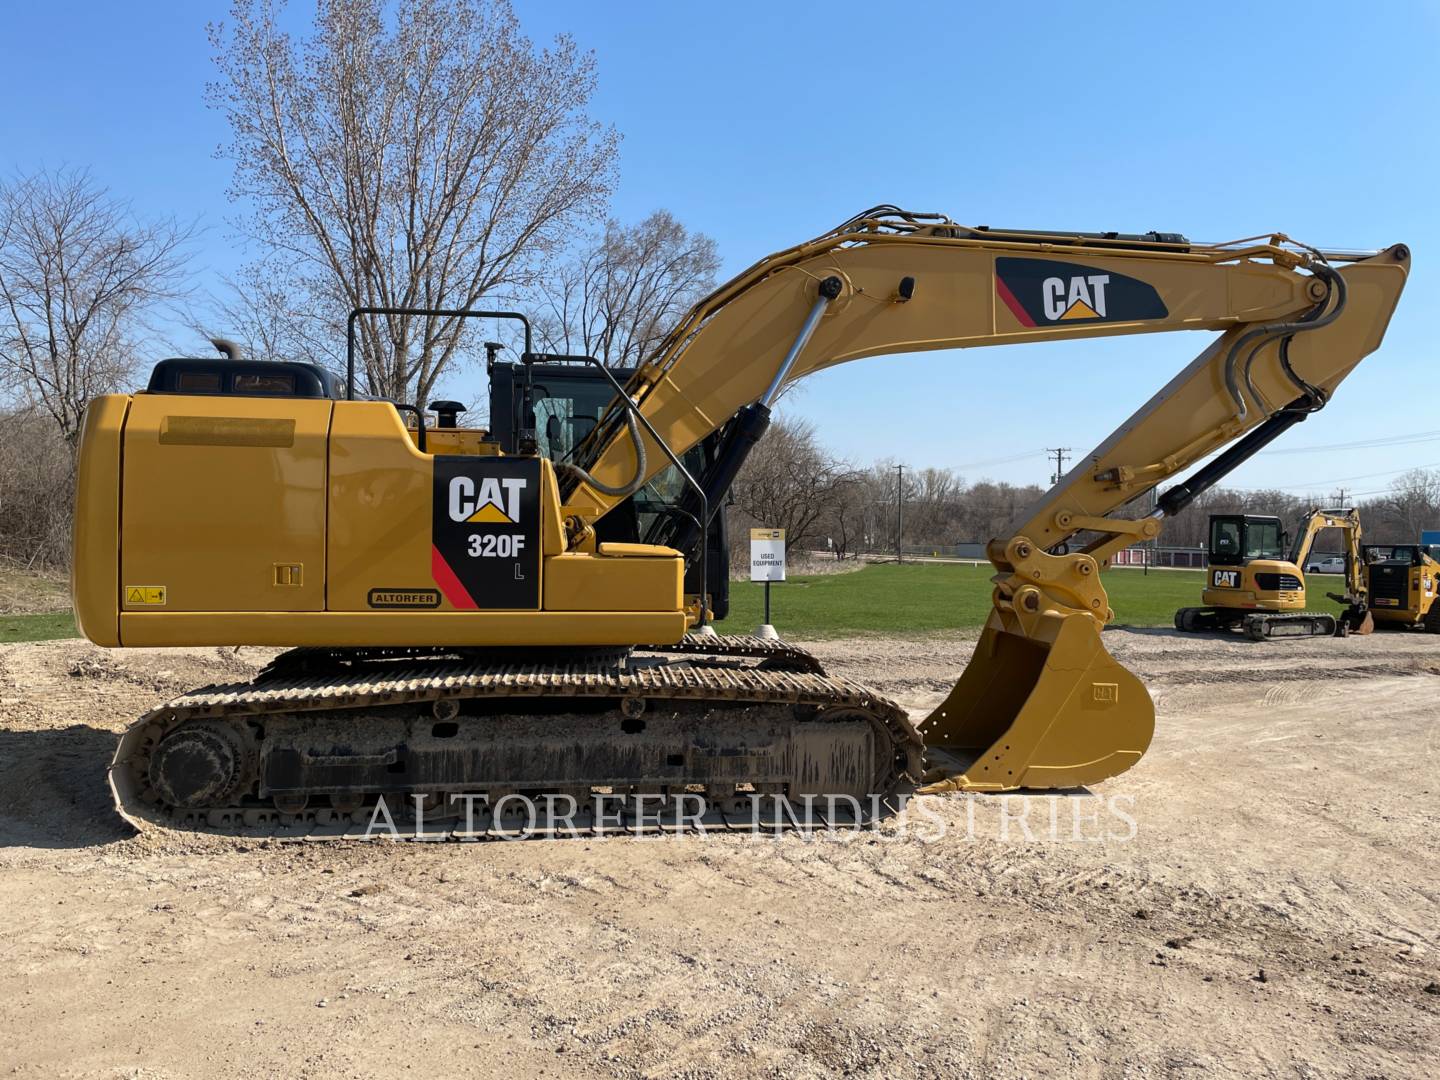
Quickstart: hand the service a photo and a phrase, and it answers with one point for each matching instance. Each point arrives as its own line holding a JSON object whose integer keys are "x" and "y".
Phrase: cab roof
{"x": 246, "y": 378}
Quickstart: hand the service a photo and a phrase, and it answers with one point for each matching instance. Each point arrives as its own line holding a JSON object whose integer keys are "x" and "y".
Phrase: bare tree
{"x": 1411, "y": 506}
{"x": 79, "y": 274}
{"x": 621, "y": 294}
{"x": 264, "y": 312}
{"x": 37, "y": 478}
{"x": 789, "y": 482}
{"x": 421, "y": 153}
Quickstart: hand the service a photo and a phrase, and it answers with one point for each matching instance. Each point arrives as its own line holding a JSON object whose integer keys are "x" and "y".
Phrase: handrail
{"x": 444, "y": 313}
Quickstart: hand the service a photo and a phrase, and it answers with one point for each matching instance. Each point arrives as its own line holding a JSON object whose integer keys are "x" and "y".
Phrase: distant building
{"x": 1163, "y": 555}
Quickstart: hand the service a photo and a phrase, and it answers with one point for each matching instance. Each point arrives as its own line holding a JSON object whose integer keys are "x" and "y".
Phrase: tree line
{"x": 827, "y": 504}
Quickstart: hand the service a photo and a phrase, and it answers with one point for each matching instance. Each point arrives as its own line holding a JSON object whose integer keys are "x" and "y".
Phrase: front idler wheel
{"x": 207, "y": 763}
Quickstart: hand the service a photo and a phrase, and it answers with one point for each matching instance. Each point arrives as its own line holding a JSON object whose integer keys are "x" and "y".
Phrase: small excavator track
{"x": 322, "y": 737}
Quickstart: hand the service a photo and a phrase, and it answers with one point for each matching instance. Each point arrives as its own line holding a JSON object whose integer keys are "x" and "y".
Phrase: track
{"x": 470, "y": 748}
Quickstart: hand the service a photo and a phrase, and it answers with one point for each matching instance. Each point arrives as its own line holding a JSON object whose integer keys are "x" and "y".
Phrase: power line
{"x": 1362, "y": 444}
{"x": 1001, "y": 460}
{"x": 1341, "y": 479}
{"x": 1403, "y": 439}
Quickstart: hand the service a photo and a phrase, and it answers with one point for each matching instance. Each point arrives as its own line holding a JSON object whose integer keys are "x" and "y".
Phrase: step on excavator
{"x": 1255, "y": 588}
{"x": 472, "y": 614}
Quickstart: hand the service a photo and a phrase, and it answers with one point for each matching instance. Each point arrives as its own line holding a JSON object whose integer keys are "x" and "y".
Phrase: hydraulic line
{"x": 634, "y": 484}
{"x": 1255, "y": 339}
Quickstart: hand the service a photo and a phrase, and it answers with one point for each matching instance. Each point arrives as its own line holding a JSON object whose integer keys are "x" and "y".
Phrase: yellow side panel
{"x": 223, "y": 505}
{"x": 600, "y": 583}
{"x": 379, "y": 507}
{"x": 381, "y": 492}
{"x": 95, "y": 555}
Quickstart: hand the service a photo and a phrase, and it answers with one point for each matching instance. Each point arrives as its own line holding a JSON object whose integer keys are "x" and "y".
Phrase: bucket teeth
{"x": 1046, "y": 709}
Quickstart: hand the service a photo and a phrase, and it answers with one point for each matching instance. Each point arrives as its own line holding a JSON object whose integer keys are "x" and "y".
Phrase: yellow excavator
{"x": 1255, "y": 588}
{"x": 487, "y": 613}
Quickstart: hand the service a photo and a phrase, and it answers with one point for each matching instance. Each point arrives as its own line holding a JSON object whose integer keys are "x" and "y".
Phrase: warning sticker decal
{"x": 146, "y": 595}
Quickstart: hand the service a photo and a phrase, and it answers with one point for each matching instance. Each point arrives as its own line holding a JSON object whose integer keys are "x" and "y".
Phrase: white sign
{"x": 767, "y": 554}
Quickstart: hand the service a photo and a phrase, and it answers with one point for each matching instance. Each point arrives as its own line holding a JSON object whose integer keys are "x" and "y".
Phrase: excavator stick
{"x": 1044, "y": 706}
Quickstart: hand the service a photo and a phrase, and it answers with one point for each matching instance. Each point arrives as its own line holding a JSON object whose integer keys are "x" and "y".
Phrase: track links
{"x": 360, "y": 683}
{"x": 775, "y": 654}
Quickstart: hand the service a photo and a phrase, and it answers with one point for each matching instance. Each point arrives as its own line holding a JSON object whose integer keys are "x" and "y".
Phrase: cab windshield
{"x": 1380, "y": 553}
{"x": 568, "y": 408}
{"x": 1262, "y": 540}
{"x": 1235, "y": 539}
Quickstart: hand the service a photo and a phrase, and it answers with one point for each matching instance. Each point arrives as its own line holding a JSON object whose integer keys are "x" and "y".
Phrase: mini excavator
{"x": 466, "y": 614}
{"x": 1255, "y": 588}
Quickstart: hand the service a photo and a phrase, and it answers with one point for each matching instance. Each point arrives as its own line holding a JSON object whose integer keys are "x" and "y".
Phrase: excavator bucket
{"x": 1041, "y": 707}
{"x": 1357, "y": 620}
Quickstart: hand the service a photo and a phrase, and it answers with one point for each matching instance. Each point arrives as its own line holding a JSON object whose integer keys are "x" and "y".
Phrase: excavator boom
{"x": 1041, "y": 704}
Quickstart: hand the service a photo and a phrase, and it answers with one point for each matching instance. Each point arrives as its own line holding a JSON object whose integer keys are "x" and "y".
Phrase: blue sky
{"x": 765, "y": 123}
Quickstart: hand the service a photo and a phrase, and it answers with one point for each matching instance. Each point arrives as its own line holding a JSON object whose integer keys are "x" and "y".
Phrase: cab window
{"x": 1225, "y": 538}
{"x": 567, "y": 410}
{"x": 198, "y": 382}
{"x": 1262, "y": 540}
{"x": 277, "y": 383}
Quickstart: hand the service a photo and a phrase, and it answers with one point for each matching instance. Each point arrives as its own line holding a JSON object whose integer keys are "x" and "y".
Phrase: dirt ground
{"x": 1274, "y": 913}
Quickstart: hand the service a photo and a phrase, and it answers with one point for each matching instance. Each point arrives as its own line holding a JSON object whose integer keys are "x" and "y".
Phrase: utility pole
{"x": 1340, "y": 498}
{"x": 1154, "y": 554}
{"x": 899, "y": 511}
{"x": 1059, "y": 452}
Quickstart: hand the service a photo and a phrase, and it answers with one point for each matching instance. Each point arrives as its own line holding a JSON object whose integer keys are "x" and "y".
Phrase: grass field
{"x": 900, "y": 601}
{"x": 44, "y": 627}
{"x": 34, "y": 606}
{"x": 925, "y": 598}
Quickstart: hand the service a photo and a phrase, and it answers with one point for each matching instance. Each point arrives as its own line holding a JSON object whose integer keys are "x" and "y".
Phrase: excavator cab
{"x": 1247, "y": 566}
{"x": 1238, "y": 539}
{"x": 561, "y": 402}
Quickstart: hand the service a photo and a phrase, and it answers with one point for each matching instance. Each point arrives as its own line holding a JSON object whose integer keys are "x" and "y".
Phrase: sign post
{"x": 767, "y": 564}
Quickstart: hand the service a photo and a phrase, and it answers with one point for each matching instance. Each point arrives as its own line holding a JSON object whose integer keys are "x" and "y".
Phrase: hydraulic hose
{"x": 635, "y": 483}
{"x": 1337, "y": 284}
{"x": 1254, "y": 340}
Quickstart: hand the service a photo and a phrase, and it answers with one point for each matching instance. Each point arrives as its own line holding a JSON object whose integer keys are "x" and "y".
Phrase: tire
{"x": 1432, "y": 618}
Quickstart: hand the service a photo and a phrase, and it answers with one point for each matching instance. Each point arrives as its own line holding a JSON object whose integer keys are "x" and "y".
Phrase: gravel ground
{"x": 1273, "y": 913}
